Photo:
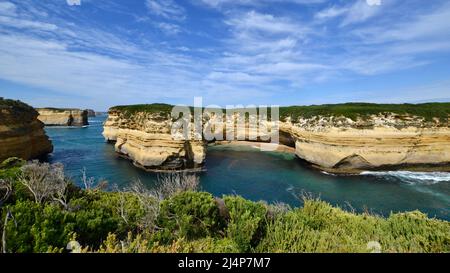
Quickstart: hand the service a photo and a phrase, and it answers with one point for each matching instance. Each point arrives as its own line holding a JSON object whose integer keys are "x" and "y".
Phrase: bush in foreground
{"x": 136, "y": 221}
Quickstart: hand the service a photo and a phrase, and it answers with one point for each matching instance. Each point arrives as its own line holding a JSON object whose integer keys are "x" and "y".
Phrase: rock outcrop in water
{"x": 334, "y": 143}
{"x": 63, "y": 117}
{"x": 91, "y": 113}
{"x": 145, "y": 138}
{"x": 21, "y": 133}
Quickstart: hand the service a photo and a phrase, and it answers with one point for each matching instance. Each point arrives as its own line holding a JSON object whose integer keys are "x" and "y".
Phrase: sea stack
{"x": 144, "y": 137}
{"x": 21, "y": 133}
{"x": 91, "y": 113}
{"x": 63, "y": 117}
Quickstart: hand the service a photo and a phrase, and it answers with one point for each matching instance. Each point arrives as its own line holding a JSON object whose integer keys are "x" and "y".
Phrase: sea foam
{"x": 414, "y": 177}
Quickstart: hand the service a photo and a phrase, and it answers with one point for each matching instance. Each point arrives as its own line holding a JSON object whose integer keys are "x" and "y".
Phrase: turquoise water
{"x": 273, "y": 177}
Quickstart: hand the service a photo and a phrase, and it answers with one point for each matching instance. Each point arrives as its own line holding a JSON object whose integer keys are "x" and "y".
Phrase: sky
{"x": 100, "y": 53}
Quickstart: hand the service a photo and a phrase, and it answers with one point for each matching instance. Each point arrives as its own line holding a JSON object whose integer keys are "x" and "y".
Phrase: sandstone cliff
{"x": 331, "y": 142}
{"x": 145, "y": 138}
{"x": 91, "y": 113}
{"x": 63, "y": 117}
{"x": 380, "y": 142}
{"x": 21, "y": 133}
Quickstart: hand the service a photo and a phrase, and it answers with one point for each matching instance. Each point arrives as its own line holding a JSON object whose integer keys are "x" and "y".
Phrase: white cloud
{"x": 7, "y": 8}
{"x": 373, "y": 2}
{"x": 170, "y": 29}
{"x": 26, "y": 24}
{"x": 74, "y": 2}
{"x": 254, "y": 21}
{"x": 221, "y": 3}
{"x": 166, "y": 8}
{"x": 432, "y": 24}
{"x": 359, "y": 11}
{"x": 256, "y": 55}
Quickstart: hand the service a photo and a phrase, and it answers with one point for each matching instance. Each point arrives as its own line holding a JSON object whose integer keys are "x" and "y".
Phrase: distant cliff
{"x": 63, "y": 117}
{"x": 345, "y": 138}
{"x": 91, "y": 113}
{"x": 21, "y": 133}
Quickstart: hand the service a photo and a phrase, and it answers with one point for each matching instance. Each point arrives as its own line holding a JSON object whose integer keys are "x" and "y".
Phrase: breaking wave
{"x": 413, "y": 177}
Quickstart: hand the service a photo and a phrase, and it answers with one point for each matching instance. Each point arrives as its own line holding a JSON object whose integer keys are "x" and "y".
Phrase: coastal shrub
{"x": 428, "y": 111}
{"x": 36, "y": 228}
{"x": 10, "y": 168}
{"x": 98, "y": 213}
{"x": 204, "y": 245}
{"x": 415, "y": 232}
{"x": 170, "y": 184}
{"x": 131, "y": 244}
{"x": 190, "y": 215}
{"x": 136, "y": 221}
{"x": 318, "y": 227}
{"x": 247, "y": 220}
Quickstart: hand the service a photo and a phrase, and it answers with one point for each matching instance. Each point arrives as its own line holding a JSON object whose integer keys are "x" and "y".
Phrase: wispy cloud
{"x": 357, "y": 12}
{"x": 222, "y": 3}
{"x": 239, "y": 50}
{"x": 168, "y": 28}
{"x": 166, "y": 8}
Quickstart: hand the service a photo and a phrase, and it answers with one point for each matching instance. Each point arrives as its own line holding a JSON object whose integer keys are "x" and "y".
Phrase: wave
{"x": 413, "y": 177}
{"x": 67, "y": 127}
{"x": 327, "y": 173}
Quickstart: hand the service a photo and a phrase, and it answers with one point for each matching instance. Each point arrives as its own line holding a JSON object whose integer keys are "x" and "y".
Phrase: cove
{"x": 256, "y": 175}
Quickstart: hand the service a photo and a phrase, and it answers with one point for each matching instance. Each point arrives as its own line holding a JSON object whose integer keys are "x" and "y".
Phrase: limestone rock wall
{"x": 372, "y": 145}
{"x": 63, "y": 117}
{"x": 21, "y": 133}
{"x": 333, "y": 144}
{"x": 146, "y": 140}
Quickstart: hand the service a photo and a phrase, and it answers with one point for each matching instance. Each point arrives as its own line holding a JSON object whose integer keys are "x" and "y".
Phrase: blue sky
{"x": 96, "y": 54}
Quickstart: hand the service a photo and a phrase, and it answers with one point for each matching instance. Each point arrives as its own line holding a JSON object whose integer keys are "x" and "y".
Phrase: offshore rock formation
{"x": 145, "y": 138}
{"x": 336, "y": 144}
{"x": 63, "y": 117}
{"x": 21, "y": 133}
{"x": 91, "y": 113}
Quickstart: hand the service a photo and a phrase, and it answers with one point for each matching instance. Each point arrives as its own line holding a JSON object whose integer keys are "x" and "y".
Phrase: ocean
{"x": 267, "y": 176}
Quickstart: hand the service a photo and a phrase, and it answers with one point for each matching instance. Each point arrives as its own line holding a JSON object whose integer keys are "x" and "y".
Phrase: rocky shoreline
{"x": 335, "y": 144}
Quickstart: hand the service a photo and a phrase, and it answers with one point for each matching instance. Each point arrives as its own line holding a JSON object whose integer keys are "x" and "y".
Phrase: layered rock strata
{"x": 63, "y": 117}
{"x": 145, "y": 138}
{"x": 381, "y": 142}
{"x": 335, "y": 144}
{"x": 21, "y": 133}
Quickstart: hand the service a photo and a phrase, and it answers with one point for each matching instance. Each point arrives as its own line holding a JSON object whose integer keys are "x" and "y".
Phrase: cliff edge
{"x": 344, "y": 138}
{"x": 21, "y": 133}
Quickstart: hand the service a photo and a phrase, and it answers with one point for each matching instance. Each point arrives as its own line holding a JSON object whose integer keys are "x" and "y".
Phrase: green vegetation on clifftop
{"x": 428, "y": 111}
{"x": 15, "y": 106}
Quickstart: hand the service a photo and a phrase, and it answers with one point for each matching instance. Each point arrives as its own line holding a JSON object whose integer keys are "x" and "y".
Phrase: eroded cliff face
{"x": 21, "y": 133}
{"x": 333, "y": 144}
{"x": 146, "y": 139}
{"x": 377, "y": 143}
{"x": 91, "y": 113}
{"x": 63, "y": 117}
